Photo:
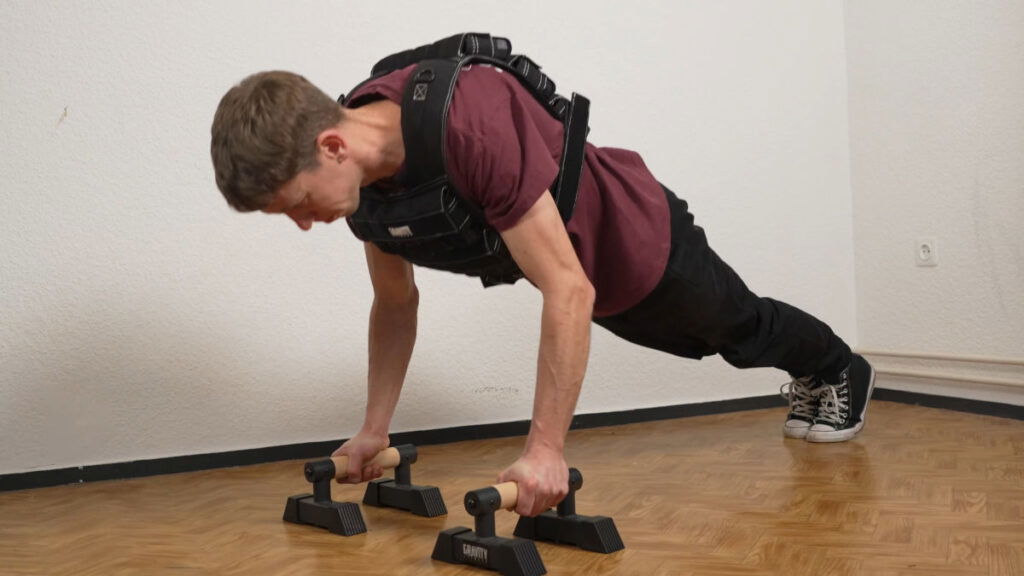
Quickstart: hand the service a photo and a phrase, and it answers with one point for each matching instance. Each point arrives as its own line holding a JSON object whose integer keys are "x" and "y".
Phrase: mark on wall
{"x": 496, "y": 390}
{"x": 63, "y": 116}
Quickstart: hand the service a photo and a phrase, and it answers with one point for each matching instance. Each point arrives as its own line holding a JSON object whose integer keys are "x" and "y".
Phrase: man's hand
{"x": 360, "y": 449}
{"x": 543, "y": 480}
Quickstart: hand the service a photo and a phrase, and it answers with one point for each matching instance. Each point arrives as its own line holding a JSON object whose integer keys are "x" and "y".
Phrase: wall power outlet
{"x": 926, "y": 251}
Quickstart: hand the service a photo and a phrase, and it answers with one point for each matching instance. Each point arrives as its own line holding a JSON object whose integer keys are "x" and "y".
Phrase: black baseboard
{"x": 950, "y": 403}
{"x": 312, "y": 450}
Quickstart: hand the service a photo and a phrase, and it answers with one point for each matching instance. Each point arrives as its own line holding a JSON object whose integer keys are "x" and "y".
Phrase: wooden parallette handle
{"x": 509, "y": 492}
{"x": 492, "y": 498}
{"x": 386, "y": 458}
{"x": 334, "y": 467}
{"x": 506, "y": 495}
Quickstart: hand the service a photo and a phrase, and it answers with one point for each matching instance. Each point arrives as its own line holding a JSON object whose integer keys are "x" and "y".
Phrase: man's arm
{"x": 541, "y": 247}
{"x": 392, "y": 336}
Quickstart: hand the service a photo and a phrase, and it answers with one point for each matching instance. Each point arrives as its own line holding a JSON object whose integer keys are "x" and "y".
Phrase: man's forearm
{"x": 392, "y": 337}
{"x": 561, "y": 364}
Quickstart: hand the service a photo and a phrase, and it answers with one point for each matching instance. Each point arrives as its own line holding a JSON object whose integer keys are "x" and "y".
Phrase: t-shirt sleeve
{"x": 497, "y": 155}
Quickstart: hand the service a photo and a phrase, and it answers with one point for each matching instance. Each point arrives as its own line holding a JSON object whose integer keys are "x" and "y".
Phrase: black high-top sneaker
{"x": 803, "y": 405}
{"x": 842, "y": 405}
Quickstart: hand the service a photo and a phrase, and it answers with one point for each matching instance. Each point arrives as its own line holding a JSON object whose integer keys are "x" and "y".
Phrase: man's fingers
{"x": 524, "y": 506}
{"x": 544, "y": 500}
{"x": 353, "y": 472}
{"x": 542, "y": 506}
{"x": 350, "y": 478}
{"x": 563, "y": 491}
{"x": 531, "y": 501}
{"x": 357, "y": 473}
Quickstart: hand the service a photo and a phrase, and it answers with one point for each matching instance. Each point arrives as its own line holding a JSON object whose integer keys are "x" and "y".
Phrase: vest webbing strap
{"x": 468, "y": 44}
{"x": 573, "y": 148}
{"x": 424, "y": 111}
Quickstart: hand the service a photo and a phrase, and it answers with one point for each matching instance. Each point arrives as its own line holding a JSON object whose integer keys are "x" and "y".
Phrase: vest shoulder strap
{"x": 424, "y": 110}
{"x": 429, "y": 91}
{"x": 466, "y": 44}
{"x": 480, "y": 47}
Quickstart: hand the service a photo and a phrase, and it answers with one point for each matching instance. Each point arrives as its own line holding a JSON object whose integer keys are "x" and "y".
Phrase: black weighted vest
{"x": 426, "y": 221}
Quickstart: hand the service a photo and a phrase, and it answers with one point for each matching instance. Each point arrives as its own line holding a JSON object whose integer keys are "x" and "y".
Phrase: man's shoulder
{"x": 478, "y": 85}
{"x": 487, "y": 98}
{"x": 390, "y": 85}
{"x": 484, "y": 80}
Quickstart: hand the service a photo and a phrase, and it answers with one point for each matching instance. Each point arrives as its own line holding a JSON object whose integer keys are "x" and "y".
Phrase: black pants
{"x": 701, "y": 307}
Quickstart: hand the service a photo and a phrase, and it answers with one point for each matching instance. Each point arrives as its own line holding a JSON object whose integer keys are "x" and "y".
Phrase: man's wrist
{"x": 538, "y": 445}
{"x": 375, "y": 428}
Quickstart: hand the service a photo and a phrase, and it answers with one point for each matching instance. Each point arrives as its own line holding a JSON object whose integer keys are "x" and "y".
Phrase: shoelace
{"x": 834, "y": 404}
{"x": 803, "y": 398}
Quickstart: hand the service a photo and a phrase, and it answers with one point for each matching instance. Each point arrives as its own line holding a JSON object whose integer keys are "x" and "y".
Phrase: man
{"x": 629, "y": 259}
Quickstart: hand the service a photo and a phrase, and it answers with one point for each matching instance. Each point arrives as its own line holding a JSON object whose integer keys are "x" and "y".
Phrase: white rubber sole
{"x": 798, "y": 430}
{"x": 833, "y": 435}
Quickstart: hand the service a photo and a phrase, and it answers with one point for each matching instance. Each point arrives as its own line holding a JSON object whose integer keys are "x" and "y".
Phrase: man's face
{"x": 322, "y": 194}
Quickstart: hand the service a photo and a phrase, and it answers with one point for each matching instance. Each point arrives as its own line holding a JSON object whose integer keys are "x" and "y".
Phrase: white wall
{"x": 937, "y": 150}
{"x": 141, "y": 318}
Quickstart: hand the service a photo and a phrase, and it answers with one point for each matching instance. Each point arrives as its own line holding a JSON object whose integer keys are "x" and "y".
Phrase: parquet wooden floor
{"x": 920, "y": 492}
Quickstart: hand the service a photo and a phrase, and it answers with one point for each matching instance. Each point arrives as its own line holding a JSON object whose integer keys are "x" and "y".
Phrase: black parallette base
{"x": 339, "y": 517}
{"x": 591, "y": 533}
{"x": 420, "y": 500}
{"x": 508, "y": 556}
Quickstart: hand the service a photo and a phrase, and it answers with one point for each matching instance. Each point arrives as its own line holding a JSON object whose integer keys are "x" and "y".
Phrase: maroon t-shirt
{"x": 503, "y": 149}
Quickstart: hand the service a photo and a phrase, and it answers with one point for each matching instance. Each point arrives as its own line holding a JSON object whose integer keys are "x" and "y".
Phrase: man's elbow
{"x": 575, "y": 292}
{"x": 586, "y": 294}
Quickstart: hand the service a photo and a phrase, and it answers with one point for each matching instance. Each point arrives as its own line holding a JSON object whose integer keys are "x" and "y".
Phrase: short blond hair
{"x": 264, "y": 133}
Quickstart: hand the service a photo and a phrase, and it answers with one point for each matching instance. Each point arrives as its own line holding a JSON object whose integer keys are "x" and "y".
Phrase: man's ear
{"x": 331, "y": 146}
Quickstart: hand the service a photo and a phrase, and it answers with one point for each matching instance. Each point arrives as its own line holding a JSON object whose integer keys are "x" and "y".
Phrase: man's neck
{"x": 375, "y": 139}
